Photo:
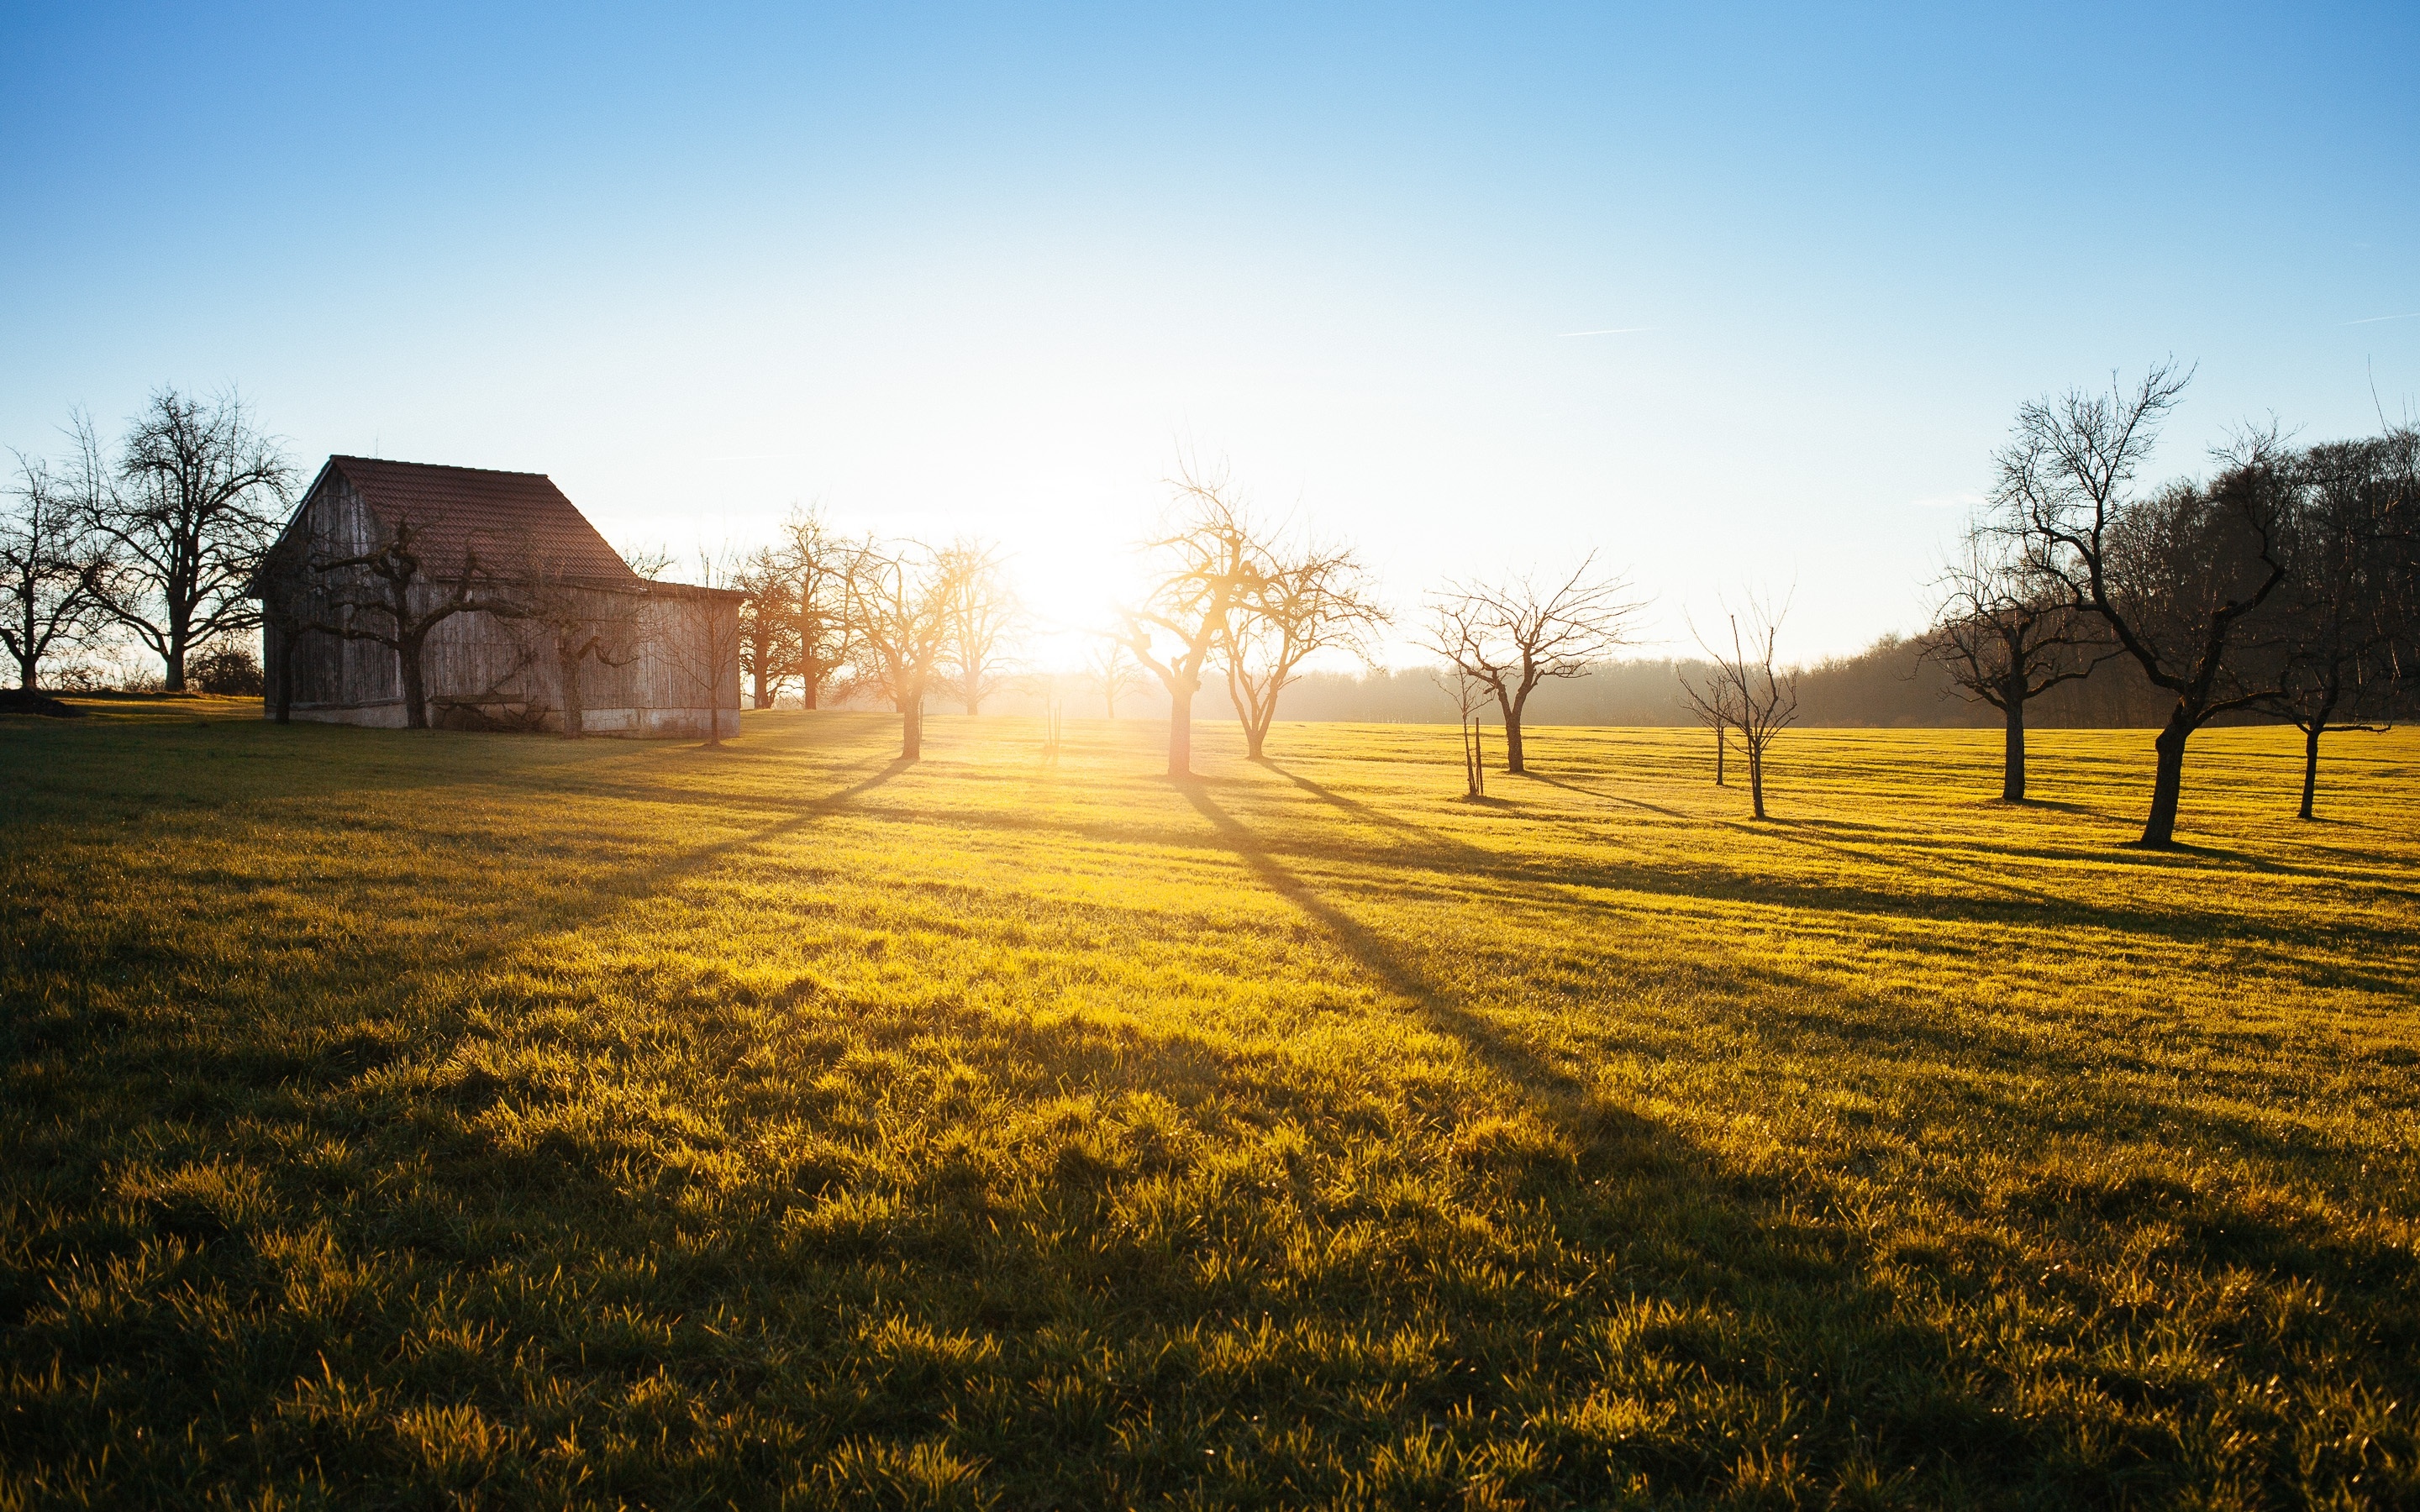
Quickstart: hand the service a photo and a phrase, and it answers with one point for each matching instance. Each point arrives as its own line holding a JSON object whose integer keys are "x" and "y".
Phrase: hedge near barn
{"x": 413, "y": 594}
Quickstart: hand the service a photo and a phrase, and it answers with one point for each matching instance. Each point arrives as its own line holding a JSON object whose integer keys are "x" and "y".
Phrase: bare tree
{"x": 1110, "y": 670}
{"x": 2348, "y": 609}
{"x": 1208, "y": 563}
{"x": 2176, "y": 577}
{"x": 984, "y": 615}
{"x": 385, "y": 596}
{"x": 899, "y": 597}
{"x": 1711, "y": 699}
{"x": 768, "y": 625}
{"x": 194, "y": 500}
{"x": 700, "y": 632}
{"x": 816, "y": 564}
{"x": 1470, "y": 699}
{"x": 2005, "y": 634}
{"x": 1750, "y": 688}
{"x": 581, "y": 621}
{"x": 1515, "y": 635}
{"x": 1312, "y": 599}
{"x": 54, "y": 570}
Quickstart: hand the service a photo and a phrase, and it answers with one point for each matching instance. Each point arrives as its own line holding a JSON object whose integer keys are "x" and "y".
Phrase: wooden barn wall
{"x": 487, "y": 669}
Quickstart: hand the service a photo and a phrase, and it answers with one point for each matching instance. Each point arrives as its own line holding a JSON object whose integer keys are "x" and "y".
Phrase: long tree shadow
{"x": 1513, "y": 1061}
{"x": 496, "y": 933}
{"x": 1455, "y": 866}
{"x": 1434, "y": 840}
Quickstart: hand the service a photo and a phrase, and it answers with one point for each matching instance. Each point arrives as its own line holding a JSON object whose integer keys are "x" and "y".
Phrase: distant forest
{"x": 1889, "y": 684}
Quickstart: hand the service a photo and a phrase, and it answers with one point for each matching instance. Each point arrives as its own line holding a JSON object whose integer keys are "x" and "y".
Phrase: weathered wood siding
{"x": 483, "y": 669}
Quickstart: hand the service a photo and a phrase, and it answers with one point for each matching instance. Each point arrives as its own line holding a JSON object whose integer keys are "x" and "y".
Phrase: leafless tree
{"x": 290, "y": 593}
{"x": 816, "y": 563}
{"x": 1470, "y": 699}
{"x": 386, "y": 595}
{"x": 1309, "y": 599}
{"x": 54, "y": 570}
{"x": 1710, "y": 697}
{"x": 2348, "y": 609}
{"x": 2177, "y": 577}
{"x": 1205, "y": 564}
{"x": 193, "y": 499}
{"x": 699, "y": 632}
{"x": 2004, "y": 635}
{"x": 1513, "y": 635}
{"x": 650, "y": 562}
{"x": 983, "y": 614}
{"x": 578, "y": 621}
{"x": 1750, "y": 688}
{"x": 768, "y": 625}
{"x": 1110, "y": 670}
{"x": 899, "y": 597}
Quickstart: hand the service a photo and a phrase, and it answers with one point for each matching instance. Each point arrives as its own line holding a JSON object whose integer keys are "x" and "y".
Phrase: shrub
{"x": 230, "y": 670}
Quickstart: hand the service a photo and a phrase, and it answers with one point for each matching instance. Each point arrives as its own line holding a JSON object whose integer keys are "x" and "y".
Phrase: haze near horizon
{"x": 1737, "y": 300}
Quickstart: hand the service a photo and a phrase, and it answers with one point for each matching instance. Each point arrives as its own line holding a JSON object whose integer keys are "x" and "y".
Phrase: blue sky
{"x": 988, "y": 271}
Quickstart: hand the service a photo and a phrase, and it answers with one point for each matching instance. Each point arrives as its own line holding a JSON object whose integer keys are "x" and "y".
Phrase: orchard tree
{"x": 2178, "y": 577}
{"x": 814, "y": 565}
{"x": 190, "y": 504}
{"x": 768, "y": 627}
{"x": 54, "y": 570}
{"x": 1309, "y": 599}
{"x": 1110, "y": 671}
{"x": 1749, "y": 688}
{"x": 1203, "y": 565}
{"x": 898, "y": 600}
{"x": 579, "y": 622}
{"x": 985, "y": 617}
{"x": 1512, "y": 635}
{"x": 2006, "y": 635}
{"x": 2348, "y": 611}
{"x": 386, "y": 595}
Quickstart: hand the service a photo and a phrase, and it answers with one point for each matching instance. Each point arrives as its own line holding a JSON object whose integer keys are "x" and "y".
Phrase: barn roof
{"x": 505, "y": 518}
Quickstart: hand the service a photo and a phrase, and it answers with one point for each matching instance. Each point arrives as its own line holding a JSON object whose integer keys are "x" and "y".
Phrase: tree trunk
{"x": 1256, "y": 728}
{"x": 2160, "y": 826}
{"x": 1722, "y": 748}
{"x": 1755, "y": 779}
{"x": 911, "y": 730}
{"x": 1513, "y": 760}
{"x": 25, "y": 669}
{"x": 415, "y": 697}
{"x": 568, "y": 663}
{"x": 2310, "y": 766}
{"x": 1180, "y": 733}
{"x": 174, "y": 678}
{"x": 2012, "y": 749}
{"x": 283, "y": 658}
{"x": 810, "y": 685}
{"x": 764, "y": 695}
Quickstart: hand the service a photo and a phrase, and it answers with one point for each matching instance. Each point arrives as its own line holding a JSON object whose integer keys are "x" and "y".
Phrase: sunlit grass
{"x": 388, "y": 1118}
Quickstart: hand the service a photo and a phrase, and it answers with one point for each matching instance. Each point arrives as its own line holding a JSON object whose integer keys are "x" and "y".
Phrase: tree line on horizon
{"x": 2283, "y": 587}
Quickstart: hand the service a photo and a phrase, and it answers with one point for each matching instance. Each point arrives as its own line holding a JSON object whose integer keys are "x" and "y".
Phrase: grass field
{"x": 400, "y": 1120}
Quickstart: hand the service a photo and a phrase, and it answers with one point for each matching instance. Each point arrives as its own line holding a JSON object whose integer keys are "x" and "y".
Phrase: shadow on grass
{"x": 1108, "y": 1326}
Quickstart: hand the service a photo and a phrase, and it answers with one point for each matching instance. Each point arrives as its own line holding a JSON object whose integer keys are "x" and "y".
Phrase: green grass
{"x": 397, "y": 1120}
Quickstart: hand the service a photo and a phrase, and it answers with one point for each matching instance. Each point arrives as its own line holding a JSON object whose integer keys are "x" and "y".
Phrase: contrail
{"x": 2376, "y": 318}
{"x": 1610, "y": 331}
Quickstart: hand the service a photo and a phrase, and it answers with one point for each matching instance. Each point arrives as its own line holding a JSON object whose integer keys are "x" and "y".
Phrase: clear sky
{"x": 987, "y": 272}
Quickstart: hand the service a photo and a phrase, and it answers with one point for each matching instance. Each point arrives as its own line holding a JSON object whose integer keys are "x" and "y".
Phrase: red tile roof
{"x": 507, "y": 518}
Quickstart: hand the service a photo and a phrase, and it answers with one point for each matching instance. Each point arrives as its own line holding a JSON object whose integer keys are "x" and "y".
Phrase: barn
{"x": 408, "y": 594}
